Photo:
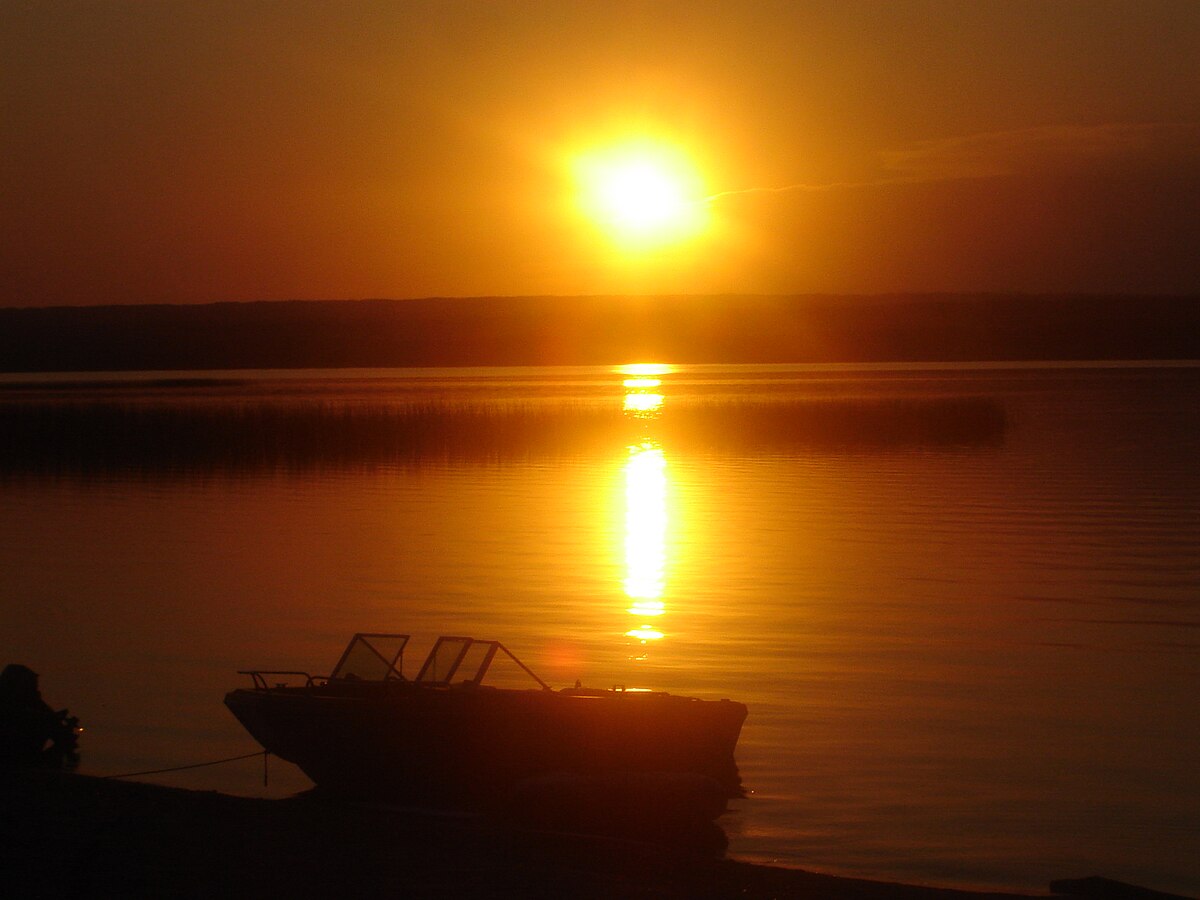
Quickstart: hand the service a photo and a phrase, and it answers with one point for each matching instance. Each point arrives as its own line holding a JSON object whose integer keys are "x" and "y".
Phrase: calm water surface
{"x": 962, "y": 603}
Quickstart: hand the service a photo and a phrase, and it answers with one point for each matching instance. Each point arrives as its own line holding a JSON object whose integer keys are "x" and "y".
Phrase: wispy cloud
{"x": 788, "y": 188}
{"x": 1060, "y": 149}
{"x": 1050, "y": 148}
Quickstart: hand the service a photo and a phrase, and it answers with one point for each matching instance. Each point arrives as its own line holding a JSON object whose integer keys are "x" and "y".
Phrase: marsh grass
{"x": 70, "y": 436}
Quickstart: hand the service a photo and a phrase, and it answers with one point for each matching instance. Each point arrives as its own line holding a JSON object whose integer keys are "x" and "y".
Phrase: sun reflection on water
{"x": 646, "y": 504}
{"x": 645, "y": 523}
{"x": 644, "y": 369}
{"x": 644, "y": 634}
{"x": 643, "y": 404}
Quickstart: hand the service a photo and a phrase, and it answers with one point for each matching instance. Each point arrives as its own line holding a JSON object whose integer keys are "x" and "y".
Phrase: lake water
{"x": 961, "y": 602}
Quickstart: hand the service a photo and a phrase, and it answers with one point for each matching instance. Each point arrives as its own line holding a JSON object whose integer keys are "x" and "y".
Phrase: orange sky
{"x": 175, "y": 152}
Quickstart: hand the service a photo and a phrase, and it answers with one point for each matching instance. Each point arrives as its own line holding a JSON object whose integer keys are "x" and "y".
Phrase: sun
{"x": 641, "y": 194}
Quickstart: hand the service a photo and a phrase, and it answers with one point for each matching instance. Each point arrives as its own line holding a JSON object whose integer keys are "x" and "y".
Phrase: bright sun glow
{"x": 642, "y": 193}
{"x": 639, "y": 195}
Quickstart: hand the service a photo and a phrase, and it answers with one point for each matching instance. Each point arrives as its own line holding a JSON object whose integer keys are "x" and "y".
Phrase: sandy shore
{"x": 77, "y": 836}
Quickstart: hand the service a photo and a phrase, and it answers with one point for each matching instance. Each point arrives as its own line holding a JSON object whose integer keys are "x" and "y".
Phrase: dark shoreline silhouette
{"x": 74, "y": 835}
{"x": 504, "y": 331}
{"x": 89, "y": 436}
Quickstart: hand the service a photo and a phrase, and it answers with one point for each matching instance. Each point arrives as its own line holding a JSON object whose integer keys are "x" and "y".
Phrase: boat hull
{"x": 472, "y": 745}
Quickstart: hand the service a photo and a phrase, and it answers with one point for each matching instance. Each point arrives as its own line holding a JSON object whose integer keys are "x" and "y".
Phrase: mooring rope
{"x": 216, "y": 762}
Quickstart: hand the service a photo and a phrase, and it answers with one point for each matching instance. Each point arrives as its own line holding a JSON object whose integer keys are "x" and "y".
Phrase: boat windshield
{"x": 466, "y": 660}
{"x": 373, "y": 657}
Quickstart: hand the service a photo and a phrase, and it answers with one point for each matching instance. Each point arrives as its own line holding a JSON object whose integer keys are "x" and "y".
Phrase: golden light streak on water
{"x": 647, "y": 608}
{"x": 645, "y": 522}
{"x": 643, "y": 403}
{"x": 644, "y": 634}
{"x": 644, "y": 369}
{"x": 646, "y": 517}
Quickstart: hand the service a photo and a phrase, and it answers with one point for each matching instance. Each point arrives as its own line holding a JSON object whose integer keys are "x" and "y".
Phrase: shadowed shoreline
{"x": 94, "y": 436}
{"x": 68, "y": 835}
{"x": 72, "y": 835}
{"x": 598, "y": 330}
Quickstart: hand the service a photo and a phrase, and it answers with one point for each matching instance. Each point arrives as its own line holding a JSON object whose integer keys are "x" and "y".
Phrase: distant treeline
{"x": 598, "y": 330}
{"x": 94, "y": 437}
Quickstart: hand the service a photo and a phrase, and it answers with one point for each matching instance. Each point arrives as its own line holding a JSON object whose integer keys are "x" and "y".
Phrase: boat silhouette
{"x": 447, "y": 738}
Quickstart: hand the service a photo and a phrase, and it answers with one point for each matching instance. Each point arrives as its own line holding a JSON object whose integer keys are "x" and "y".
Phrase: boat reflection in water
{"x": 571, "y": 758}
{"x": 646, "y": 519}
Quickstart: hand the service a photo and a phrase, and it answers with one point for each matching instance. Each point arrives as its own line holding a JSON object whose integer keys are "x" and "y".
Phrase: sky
{"x": 196, "y": 152}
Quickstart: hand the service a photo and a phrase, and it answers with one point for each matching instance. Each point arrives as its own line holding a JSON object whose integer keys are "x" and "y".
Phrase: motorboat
{"x": 447, "y": 737}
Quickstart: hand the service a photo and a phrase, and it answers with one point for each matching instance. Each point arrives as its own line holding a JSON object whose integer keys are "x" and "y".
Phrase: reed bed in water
{"x": 67, "y": 436}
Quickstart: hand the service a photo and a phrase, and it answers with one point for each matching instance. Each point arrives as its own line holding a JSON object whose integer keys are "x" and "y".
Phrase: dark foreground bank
{"x": 541, "y": 331}
{"x": 76, "y": 836}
